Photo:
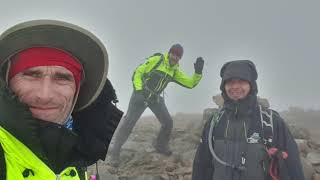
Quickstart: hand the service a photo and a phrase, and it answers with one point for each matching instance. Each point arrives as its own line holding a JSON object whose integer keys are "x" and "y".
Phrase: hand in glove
{"x": 198, "y": 65}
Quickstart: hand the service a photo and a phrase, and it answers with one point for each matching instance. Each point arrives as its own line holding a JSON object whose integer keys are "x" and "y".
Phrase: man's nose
{"x": 44, "y": 93}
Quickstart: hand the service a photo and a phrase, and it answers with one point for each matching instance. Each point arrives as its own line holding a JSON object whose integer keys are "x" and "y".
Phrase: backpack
{"x": 266, "y": 119}
{"x": 159, "y": 62}
{"x": 277, "y": 167}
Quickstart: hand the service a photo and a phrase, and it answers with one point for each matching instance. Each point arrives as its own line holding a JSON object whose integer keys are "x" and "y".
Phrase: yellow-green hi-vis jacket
{"x": 147, "y": 77}
{"x": 23, "y": 164}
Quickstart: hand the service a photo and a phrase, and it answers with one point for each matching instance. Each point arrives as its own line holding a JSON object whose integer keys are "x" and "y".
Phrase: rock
{"x": 148, "y": 177}
{"x": 307, "y": 168}
{"x": 187, "y": 158}
{"x": 317, "y": 169}
{"x": 139, "y": 161}
{"x": 108, "y": 176}
{"x": 314, "y": 158}
{"x": 187, "y": 163}
{"x": 218, "y": 99}
{"x": 298, "y": 132}
{"x": 112, "y": 170}
{"x": 316, "y": 176}
{"x": 171, "y": 167}
{"x": 314, "y": 144}
{"x": 303, "y": 146}
{"x": 187, "y": 177}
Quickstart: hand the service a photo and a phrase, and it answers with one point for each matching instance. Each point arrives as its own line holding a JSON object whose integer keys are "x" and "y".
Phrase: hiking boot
{"x": 164, "y": 151}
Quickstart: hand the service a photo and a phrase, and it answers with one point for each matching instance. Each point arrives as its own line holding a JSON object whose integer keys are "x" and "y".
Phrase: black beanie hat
{"x": 240, "y": 69}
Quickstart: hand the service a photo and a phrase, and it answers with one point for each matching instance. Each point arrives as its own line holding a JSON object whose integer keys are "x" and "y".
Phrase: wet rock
{"x": 148, "y": 177}
{"x": 307, "y": 168}
{"x": 317, "y": 169}
{"x": 187, "y": 177}
{"x": 316, "y": 176}
{"x": 108, "y": 176}
{"x": 299, "y": 132}
{"x": 171, "y": 167}
{"x": 303, "y": 146}
{"x": 139, "y": 161}
{"x": 314, "y": 158}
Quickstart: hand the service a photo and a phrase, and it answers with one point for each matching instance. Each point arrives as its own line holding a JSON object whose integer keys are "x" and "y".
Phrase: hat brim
{"x": 82, "y": 44}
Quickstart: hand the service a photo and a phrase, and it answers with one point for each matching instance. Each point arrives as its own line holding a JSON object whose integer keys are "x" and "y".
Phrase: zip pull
{"x": 92, "y": 177}
{"x": 58, "y": 177}
{"x": 243, "y": 159}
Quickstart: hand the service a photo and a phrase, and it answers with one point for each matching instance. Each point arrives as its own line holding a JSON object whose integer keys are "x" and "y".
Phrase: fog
{"x": 280, "y": 37}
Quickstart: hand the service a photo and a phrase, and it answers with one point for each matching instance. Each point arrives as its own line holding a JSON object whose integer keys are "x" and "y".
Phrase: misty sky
{"x": 281, "y": 37}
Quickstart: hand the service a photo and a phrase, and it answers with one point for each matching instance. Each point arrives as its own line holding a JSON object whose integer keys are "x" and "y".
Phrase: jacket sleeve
{"x": 2, "y": 164}
{"x": 184, "y": 80}
{"x": 286, "y": 142}
{"x": 142, "y": 70}
{"x": 202, "y": 164}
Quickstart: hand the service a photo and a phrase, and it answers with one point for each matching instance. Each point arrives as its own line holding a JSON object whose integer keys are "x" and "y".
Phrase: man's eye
{"x": 61, "y": 77}
{"x": 31, "y": 74}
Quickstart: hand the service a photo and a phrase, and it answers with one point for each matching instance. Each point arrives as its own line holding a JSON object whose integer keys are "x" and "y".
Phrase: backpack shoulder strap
{"x": 266, "y": 118}
{"x": 155, "y": 66}
{"x": 215, "y": 118}
{"x": 159, "y": 62}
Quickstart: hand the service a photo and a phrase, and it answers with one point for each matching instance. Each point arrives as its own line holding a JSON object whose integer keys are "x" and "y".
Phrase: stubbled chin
{"x": 46, "y": 115}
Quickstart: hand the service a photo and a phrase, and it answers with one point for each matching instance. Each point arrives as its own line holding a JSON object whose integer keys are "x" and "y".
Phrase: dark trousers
{"x": 136, "y": 108}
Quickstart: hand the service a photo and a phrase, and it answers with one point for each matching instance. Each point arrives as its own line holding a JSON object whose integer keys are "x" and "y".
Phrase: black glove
{"x": 198, "y": 65}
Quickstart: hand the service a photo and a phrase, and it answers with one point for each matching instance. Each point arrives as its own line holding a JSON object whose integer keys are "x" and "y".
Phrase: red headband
{"x": 45, "y": 56}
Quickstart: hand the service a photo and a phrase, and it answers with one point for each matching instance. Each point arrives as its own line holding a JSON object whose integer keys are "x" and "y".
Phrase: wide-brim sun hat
{"x": 82, "y": 44}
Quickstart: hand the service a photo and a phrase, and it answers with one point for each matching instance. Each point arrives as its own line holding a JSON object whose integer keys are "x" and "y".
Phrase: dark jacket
{"x": 204, "y": 163}
{"x": 57, "y": 146}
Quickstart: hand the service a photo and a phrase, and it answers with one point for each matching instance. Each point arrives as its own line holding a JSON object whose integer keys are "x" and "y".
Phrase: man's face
{"x": 173, "y": 59}
{"x": 49, "y": 91}
{"x": 237, "y": 89}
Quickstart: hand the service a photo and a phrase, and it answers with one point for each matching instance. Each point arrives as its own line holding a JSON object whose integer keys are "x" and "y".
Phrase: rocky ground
{"x": 139, "y": 161}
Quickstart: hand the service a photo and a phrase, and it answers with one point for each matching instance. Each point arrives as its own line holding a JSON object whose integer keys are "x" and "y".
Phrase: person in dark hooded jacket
{"x": 245, "y": 141}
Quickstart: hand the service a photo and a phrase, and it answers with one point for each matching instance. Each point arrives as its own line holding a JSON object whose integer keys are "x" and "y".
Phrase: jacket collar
{"x": 243, "y": 107}
{"x": 39, "y": 136}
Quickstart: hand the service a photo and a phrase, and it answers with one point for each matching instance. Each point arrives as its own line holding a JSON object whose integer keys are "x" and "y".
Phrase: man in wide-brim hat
{"x": 66, "y": 119}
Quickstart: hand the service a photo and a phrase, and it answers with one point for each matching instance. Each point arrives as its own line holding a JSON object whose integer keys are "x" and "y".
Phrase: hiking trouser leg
{"x": 135, "y": 109}
{"x": 161, "y": 112}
